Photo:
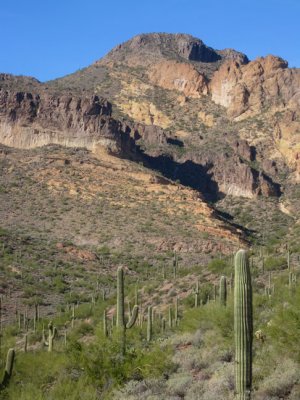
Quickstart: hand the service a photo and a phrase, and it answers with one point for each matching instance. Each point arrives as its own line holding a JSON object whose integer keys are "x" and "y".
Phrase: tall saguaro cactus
{"x": 149, "y": 324}
{"x": 175, "y": 265}
{"x": 51, "y": 336}
{"x": 176, "y": 316}
{"x": 223, "y": 291}
{"x": 170, "y": 317}
{"x": 8, "y": 368}
{"x": 122, "y": 326}
{"x": 197, "y": 292}
{"x": 105, "y": 328}
{"x": 243, "y": 326}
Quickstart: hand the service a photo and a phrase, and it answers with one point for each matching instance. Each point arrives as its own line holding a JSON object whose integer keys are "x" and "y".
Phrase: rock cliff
{"x": 245, "y": 90}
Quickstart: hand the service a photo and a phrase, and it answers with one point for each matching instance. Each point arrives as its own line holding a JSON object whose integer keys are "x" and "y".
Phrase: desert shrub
{"x": 190, "y": 360}
{"x": 141, "y": 390}
{"x": 284, "y": 329}
{"x": 210, "y": 316}
{"x": 103, "y": 361}
{"x": 197, "y": 339}
{"x": 219, "y": 266}
{"x": 275, "y": 263}
{"x": 280, "y": 383}
{"x": 178, "y": 384}
{"x": 84, "y": 329}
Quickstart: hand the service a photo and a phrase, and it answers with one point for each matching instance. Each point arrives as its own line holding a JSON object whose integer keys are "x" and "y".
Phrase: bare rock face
{"x": 238, "y": 178}
{"x": 195, "y": 50}
{"x": 183, "y": 77}
{"x": 286, "y": 127}
{"x": 243, "y": 149}
{"x": 28, "y": 120}
{"x": 66, "y": 111}
{"x": 151, "y": 134}
{"x": 233, "y": 175}
{"x": 246, "y": 89}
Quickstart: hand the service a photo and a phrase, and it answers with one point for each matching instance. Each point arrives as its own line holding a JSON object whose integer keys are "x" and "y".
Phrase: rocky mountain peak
{"x": 145, "y": 48}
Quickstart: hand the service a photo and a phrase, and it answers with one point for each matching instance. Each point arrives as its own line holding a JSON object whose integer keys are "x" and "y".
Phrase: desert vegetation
{"x": 172, "y": 333}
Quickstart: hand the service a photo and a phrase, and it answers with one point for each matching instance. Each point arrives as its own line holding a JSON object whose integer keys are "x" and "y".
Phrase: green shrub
{"x": 221, "y": 267}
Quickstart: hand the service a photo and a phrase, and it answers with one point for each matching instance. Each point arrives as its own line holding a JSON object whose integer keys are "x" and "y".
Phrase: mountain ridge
{"x": 219, "y": 123}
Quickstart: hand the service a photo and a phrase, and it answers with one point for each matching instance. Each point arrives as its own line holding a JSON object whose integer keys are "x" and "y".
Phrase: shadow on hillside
{"x": 190, "y": 174}
{"x": 194, "y": 176}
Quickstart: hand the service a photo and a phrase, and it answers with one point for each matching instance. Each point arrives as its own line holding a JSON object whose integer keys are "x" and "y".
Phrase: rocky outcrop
{"x": 232, "y": 174}
{"x": 29, "y": 120}
{"x": 153, "y": 135}
{"x": 193, "y": 49}
{"x": 286, "y": 135}
{"x": 238, "y": 178}
{"x": 145, "y": 112}
{"x": 243, "y": 149}
{"x": 245, "y": 90}
{"x": 183, "y": 77}
{"x": 146, "y": 49}
{"x": 65, "y": 112}
{"x": 215, "y": 174}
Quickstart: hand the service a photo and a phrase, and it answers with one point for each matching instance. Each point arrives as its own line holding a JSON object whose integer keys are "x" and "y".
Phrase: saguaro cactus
{"x": 215, "y": 293}
{"x": 73, "y": 315}
{"x": 51, "y": 336}
{"x": 170, "y": 317}
{"x": 197, "y": 292}
{"x": 176, "y": 317}
{"x": 149, "y": 324}
{"x": 105, "y": 330}
{"x": 223, "y": 291}
{"x": 8, "y": 368}
{"x": 175, "y": 265}
{"x": 121, "y": 324}
{"x": 243, "y": 326}
{"x": 25, "y": 342}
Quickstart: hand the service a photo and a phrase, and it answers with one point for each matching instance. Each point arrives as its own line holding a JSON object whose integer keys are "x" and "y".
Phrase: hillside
{"x": 164, "y": 157}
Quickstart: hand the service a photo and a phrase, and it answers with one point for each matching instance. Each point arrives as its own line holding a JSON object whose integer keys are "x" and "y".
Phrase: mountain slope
{"x": 212, "y": 119}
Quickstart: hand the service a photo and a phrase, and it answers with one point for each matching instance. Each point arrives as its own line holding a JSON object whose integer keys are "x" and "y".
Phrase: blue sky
{"x": 48, "y": 39}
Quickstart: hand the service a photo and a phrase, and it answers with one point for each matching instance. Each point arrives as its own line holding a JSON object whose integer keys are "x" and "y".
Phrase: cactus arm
{"x": 45, "y": 342}
{"x": 133, "y": 318}
{"x": 8, "y": 367}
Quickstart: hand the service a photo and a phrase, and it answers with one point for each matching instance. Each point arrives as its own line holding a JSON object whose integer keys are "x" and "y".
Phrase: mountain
{"x": 164, "y": 157}
{"x": 217, "y": 122}
{"x": 211, "y": 120}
